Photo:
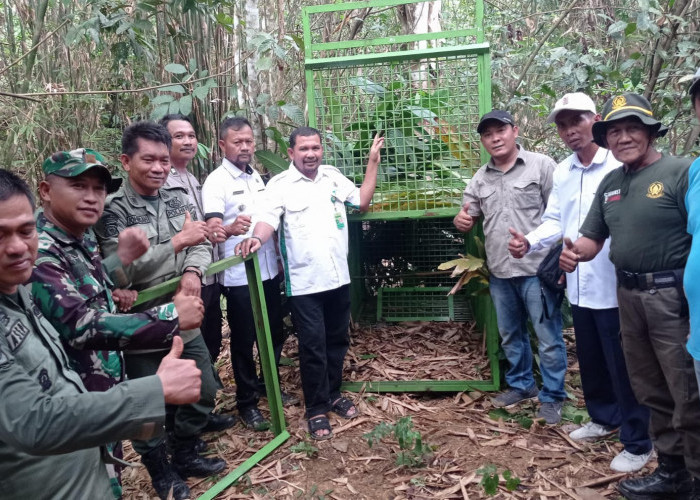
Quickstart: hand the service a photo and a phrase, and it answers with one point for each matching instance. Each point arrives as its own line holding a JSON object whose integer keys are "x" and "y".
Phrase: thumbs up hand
{"x": 193, "y": 233}
{"x": 180, "y": 378}
{"x": 570, "y": 256}
{"x": 518, "y": 244}
{"x": 463, "y": 221}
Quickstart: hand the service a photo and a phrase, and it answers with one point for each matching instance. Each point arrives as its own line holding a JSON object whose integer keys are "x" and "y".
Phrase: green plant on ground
{"x": 490, "y": 479}
{"x": 414, "y": 453}
{"x": 304, "y": 447}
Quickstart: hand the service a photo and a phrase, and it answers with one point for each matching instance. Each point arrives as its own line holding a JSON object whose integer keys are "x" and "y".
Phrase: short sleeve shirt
{"x": 227, "y": 193}
{"x": 644, "y": 214}
{"x": 516, "y": 198}
{"x": 313, "y": 231}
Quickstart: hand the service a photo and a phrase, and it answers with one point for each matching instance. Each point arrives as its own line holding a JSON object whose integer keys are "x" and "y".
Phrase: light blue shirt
{"x": 692, "y": 268}
{"x": 592, "y": 284}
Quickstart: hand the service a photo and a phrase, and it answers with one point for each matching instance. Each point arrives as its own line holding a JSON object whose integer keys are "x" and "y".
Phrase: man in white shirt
{"x": 231, "y": 194}
{"x": 591, "y": 287}
{"x": 310, "y": 198}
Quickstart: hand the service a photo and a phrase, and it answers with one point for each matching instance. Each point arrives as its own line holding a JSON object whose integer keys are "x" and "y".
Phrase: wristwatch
{"x": 193, "y": 270}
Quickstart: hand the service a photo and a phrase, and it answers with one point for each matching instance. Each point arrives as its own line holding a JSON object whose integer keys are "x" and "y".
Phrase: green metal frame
{"x": 324, "y": 61}
{"x": 267, "y": 361}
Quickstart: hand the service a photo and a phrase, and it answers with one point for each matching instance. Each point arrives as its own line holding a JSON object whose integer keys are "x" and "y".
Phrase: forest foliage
{"x": 75, "y": 73}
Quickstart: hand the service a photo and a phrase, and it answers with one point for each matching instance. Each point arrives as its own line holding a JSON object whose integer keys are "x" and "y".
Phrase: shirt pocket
{"x": 297, "y": 219}
{"x": 527, "y": 195}
{"x": 488, "y": 201}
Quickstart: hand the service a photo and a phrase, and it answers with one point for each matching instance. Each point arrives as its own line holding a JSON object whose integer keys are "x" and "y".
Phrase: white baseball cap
{"x": 576, "y": 101}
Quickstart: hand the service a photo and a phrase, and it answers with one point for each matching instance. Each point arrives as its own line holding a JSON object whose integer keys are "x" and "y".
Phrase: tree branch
{"x": 556, "y": 23}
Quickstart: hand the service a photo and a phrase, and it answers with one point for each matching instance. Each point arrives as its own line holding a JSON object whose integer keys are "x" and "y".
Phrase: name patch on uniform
{"x": 174, "y": 212}
{"x": 611, "y": 196}
{"x": 16, "y": 335}
{"x": 132, "y": 220}
{"x": 655, "y": 190}
{"x": 44, "y": 380}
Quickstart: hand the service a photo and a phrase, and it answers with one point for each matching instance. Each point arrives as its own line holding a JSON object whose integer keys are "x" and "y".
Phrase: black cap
{"x": 498, "y": 115}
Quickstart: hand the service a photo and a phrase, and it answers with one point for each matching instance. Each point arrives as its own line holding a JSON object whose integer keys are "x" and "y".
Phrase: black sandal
{"x": 342, "y": 408}
{"x": 318, "y": 424}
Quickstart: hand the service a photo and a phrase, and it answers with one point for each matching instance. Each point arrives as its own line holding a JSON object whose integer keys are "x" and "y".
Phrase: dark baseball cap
{"x": 77, "y": 162}
{"x": 497, "y": 115}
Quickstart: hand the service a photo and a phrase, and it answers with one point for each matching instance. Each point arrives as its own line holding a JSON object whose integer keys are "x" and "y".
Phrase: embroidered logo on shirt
{"x": 611, "y": 196}
{"x": 656, "y": 190}
{"x": 44, "y": 380}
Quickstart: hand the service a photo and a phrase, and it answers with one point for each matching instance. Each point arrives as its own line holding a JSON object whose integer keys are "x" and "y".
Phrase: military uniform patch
{"x": 16, "y": 335}
{"x": 655, "y": 190}
{"x": 132, "y": 220}
{"x": 44, "y": 380}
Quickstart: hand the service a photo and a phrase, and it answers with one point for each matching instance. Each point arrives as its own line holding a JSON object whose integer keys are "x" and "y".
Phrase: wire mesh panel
{"x": 422, "y": 304}
{"x": 423, "y": 92}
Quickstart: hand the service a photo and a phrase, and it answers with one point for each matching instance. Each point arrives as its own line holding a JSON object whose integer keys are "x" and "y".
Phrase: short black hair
{"x": 233, "y": 123}
{"x": 150, "y": 131}
{"x": 303, "y": 132}
{"x": 12, "y": 185}
{"x": 173, "y": 117}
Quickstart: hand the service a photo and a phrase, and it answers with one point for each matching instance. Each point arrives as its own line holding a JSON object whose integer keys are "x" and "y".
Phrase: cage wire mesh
{"x": 424, "y": 92}
{"x": 427, "y": 109}
{"x": 399, "y": 264}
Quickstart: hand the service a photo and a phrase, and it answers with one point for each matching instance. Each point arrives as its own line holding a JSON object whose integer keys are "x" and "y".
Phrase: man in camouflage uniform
{"x": 178, "y": 248}
{"x": 51, "y": 427}
{"x": 72, "y": 289}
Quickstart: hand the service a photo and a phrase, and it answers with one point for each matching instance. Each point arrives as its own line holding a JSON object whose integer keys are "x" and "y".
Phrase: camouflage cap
{"x": 78, "y": 161}
{"x": 626, "y": 105}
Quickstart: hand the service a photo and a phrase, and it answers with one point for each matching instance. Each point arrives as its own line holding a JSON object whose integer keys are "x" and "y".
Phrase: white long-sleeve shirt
{"x": 592, "y": 284}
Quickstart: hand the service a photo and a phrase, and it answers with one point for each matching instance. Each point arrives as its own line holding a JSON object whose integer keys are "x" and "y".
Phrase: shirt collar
{"x": 234, "y": 170}
{"x": 296, "y": 175}
{"x": 601, "y": 156}
{"x": 46, "y": 226}
{"x": 519, "y": 159}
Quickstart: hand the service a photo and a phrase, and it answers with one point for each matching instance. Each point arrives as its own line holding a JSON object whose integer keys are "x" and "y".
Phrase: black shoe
{"x": 669, "y": 481}
{"x": 218, "y": 423}
{"x": 163, "y": 475}
{"x": 188, "y": 462}
{"x": 289, "y": 399}
{"x": 253, "y": 419}
{"x": 200, "y": 445}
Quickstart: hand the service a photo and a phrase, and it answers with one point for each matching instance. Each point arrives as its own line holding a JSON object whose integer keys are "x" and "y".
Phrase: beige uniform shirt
{"x": 516, "y": 198}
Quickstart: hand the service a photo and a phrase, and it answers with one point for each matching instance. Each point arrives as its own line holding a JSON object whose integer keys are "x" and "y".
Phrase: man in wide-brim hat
{"x": 641, "y": 207}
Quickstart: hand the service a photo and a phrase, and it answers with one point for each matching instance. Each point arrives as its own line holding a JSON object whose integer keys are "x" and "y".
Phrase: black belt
{"x": 648, "y": 281}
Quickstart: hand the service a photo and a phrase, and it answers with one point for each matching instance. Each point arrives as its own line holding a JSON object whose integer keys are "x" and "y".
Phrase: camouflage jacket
{"x": 72, "y": 290}
{"x": 50, "y": 426}
{"x": 127, "y": 208}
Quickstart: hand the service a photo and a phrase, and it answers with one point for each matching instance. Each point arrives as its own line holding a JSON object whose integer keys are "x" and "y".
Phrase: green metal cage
{"x": 423, "y": 92}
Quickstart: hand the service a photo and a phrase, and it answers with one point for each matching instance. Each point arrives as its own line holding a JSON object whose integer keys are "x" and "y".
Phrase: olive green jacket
{"x": 51, "y": 428}
{"x": 127, "y": 208}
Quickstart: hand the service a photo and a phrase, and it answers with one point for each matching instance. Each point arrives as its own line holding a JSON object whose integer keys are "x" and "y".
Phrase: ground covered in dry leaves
{"x": 467, "y": 448}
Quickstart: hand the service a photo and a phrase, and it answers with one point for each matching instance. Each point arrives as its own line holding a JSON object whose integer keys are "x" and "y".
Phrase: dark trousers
{"x": 654, "y": 326}
{"x": 189, "y": 419}
{"x": 243, "y": 337}
{"x": 606, "y": 386}
{"x": 211, "y": 324}
{"x": 321, "y": 321}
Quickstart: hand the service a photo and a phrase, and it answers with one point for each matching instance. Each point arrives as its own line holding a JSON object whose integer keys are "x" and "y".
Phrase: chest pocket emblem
{"x": 655, "y": 190}
{"x": 44, "y": 380}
